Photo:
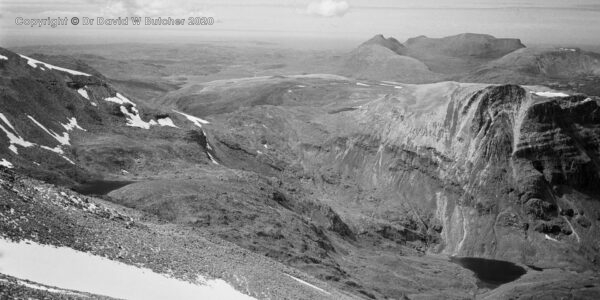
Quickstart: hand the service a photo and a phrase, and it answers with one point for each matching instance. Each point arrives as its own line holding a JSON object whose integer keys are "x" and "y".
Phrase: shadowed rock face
{"x": 494, "y": 167}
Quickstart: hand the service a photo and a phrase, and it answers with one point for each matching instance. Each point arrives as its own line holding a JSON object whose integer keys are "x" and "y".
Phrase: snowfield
{"x": 134, "y": 119}
{"x": 34, "y": 64}
{"x": 3, "y": 57}
{"x": 166, "y": 122}
{"x": 13, "y": 138}
{"x": 66, "y": 268}
{"x": 63, "y": 140}
{"x": 119, "y": 99}
{"x": 551, "y": 94}
{"x": 83, "y": 93}
{"x": 197, "y": 121}
{"x": 309, "y": 285}
{"x": 6, "y": 163}
{"x": 72, "y": 125}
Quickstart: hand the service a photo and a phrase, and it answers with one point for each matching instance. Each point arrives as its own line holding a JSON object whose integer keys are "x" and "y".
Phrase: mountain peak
{"x": 464, "y": 45}
{"x": 390, "y": 43}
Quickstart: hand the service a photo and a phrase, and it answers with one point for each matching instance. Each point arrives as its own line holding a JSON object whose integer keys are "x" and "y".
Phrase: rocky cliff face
{"x": 498, "y": 171}
{"x": 468, "y": 169}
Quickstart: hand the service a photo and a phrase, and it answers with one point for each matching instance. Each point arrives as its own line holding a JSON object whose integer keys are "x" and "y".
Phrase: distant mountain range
{"x": 473, "y": 57}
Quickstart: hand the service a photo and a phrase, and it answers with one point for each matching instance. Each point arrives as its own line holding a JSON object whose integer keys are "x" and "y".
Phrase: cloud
{"x": 328, "y": 8}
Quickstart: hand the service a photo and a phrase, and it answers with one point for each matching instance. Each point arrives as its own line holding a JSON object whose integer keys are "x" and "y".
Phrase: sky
{"x": 324, "y": 23}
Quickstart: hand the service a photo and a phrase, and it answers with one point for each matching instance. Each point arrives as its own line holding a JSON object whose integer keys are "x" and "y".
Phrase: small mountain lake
{"x": 100, "y": 187}
{"x": 490, "y": 272}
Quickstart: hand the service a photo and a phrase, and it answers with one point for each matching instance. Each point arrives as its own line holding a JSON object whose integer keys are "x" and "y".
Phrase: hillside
{"x": 384, "y": 59}
{"x": 312, "y": 186}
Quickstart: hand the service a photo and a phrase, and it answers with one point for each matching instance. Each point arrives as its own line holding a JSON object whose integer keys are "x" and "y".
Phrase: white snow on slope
{"x": 197, "y": 121}
{"x": 308, "y": 284}
{"x": 567, "y": 49}
{"x": 6, "y": 163}
{"x": 13, "y": 138}
{"x": 70, "y": 269}
{"x": 212, "y": 158}
{"x": 551, "y": 94}
{"x": 34, "y": 64}
{"x": 63, "y": 140}
{"x": 17, "y": 140}
{"x": 361, "y": 84}
{"x": 166, "y": 122}
{"x": 120, "y": 99}
{"x": 44, "y": 288}
{"x": 319, "y": 76}
{"x": 83, "y": 93}
{"x": 3, "y": 57}
{"x": 551, "y": 238}
{"x": 72, "y": 125}
{"x": 134, "y": 119}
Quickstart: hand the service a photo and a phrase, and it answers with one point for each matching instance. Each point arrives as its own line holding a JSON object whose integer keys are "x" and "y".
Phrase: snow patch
{"x": 6, "y": 163}
{"x": 63, "y": 140}
{"x": 67, "y": 268}
{"x": 551, "y": 238}
{"x": 568, "y": 49}
{"x": 134, "y": 119}
{"x": 361, "y": 84}
{"x": 83, "y": 93}
{"x": 197, "y": 121}
{"x": 13, "y": 138}
{"x": 119, "y": 99}
{"x": 166, "y": 122}
{"x": 551, "y": 94}
{"x": 308, "y": 284}
{"x": 3, "y": 57}
{"x": 72, "y": 125}
{"x": 34, "y": 64}
{"x": 212, "y": 158}
{"x": 43, "y": 288}
{"x": 17, "y": 140}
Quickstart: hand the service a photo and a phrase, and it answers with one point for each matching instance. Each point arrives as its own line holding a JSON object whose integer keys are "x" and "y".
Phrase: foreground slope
{"x": 66, "y": 245}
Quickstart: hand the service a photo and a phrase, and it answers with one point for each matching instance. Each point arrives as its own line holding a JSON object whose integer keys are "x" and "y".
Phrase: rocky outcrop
{"x": 492, "y": 166}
